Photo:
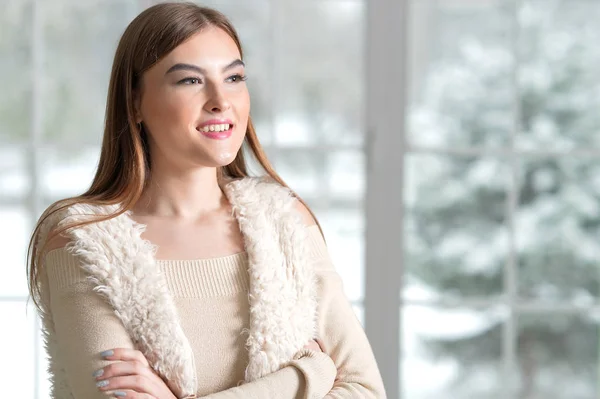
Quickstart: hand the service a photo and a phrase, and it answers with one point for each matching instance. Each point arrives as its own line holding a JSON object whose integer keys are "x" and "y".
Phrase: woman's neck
{"x": 189, "y": 195}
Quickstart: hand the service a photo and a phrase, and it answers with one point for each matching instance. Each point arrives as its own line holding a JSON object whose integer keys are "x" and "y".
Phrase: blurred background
{"x": 450, "y": 149}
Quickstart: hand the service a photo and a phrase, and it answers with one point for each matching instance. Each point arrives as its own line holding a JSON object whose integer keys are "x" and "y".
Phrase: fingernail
{"x": 119, "y": 393}
{"x": 98, "y": 373}
{"x": 109, "y": 352}
{"x": 102, "y": 384}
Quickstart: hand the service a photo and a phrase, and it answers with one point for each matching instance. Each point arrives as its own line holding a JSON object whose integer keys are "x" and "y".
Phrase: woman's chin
{"x": 215, "y": 159}
{"x": 223, "y": 158}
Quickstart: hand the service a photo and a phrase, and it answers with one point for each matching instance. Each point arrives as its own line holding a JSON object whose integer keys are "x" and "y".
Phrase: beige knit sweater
{"x": 211, "y": 299}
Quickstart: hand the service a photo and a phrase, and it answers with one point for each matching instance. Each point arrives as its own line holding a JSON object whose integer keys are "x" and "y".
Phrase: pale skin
{"x": 185, "y": 211}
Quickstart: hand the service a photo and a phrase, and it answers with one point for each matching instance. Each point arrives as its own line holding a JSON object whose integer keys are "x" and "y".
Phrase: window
{"x": 450, "y": 149}
{"x": 55, "y": 60}
{"x": 496, "y": 168}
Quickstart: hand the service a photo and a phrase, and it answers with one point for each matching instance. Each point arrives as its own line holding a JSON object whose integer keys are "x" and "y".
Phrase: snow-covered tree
{"x": 547, "y": 90}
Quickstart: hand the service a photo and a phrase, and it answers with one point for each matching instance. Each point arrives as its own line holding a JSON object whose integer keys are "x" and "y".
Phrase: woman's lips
{"x": 225, "y": 134}
{"x": 220, "y": 135}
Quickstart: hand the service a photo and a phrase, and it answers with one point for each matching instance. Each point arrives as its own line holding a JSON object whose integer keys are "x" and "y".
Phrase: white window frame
{"x": 386, "y": 60}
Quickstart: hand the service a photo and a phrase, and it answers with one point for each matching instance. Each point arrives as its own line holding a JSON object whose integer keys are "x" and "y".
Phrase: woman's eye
{"x": 236, "y": 78}
{"x": 190, "y": 81}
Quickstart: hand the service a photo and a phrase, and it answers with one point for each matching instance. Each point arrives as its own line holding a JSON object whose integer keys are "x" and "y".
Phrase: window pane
{"x": 558, "y": 356}
{"x": 14, "y": 239}
{"x": 80, "y": 39}
{"x": 15, "y": 70}
{"x": 320, "y": 79}
{"x": 558, "y": 74}
{"x": 456, "y": 240}
{"x": 302, "y": 169}
{"x": 451, "y": 353}
{"x": 346, "y": 173}
{"x": 460, "y": 73}
{"x": 18, "y": 365}
{"x": 68, "y": 171}
{"x": 14, "y": 179}
{"x": 344, "y": 234}
{"x": 557, "y": 230}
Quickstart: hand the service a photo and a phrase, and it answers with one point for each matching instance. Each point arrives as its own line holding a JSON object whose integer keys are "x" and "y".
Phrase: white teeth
{"x": 216, "y": 128}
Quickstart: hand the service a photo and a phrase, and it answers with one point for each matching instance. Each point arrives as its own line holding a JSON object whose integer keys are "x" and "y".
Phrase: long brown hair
{"x": 124, "y": 165}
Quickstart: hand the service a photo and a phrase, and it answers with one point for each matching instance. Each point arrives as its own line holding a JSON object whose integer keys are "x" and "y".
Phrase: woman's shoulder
{"x": 55, "y": 220}
{"x": 307, "y": 217}
{"x": 56, "y": 241}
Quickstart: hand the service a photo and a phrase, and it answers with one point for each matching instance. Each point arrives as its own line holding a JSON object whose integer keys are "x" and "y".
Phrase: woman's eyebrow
{"x": 196, "y": 68}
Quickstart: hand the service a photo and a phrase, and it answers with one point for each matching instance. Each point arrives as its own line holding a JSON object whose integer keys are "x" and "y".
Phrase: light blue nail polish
{"x": 119, "y": 393}
{"x": 109, "y": 352}
{"x": 102, "y": 384}
{"x": 98, "y": 373}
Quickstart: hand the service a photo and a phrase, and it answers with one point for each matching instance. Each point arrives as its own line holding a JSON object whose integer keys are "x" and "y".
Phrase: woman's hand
{"x": 314, "y": 345}
{"x": 131, "y": 376}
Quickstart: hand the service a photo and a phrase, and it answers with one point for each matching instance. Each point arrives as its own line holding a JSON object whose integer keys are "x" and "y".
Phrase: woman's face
{"x": 194, "y": 103}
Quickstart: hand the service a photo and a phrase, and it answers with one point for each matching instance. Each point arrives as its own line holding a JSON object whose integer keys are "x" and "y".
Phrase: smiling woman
{"x": 177, "y": 274}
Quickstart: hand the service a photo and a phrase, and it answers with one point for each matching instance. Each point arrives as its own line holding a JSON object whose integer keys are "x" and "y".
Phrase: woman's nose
{"x": 218, "y": 101}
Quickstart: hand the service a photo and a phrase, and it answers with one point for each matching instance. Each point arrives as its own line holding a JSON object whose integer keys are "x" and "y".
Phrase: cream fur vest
{"x": 282, "y": 294}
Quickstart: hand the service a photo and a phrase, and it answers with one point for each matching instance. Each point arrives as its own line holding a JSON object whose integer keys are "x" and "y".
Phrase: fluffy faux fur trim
{"x": 283, "y": 304}
{"x": 282, "y": 287}
{"x": 122, "y": 267}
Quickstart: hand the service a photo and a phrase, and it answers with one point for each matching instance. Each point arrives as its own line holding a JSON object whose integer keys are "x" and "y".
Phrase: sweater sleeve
{"x": 56, "y": 372}
{"x": 340, "y": 332}
{"x": 310, "y": 375}
{"x": 84, "y": 325}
